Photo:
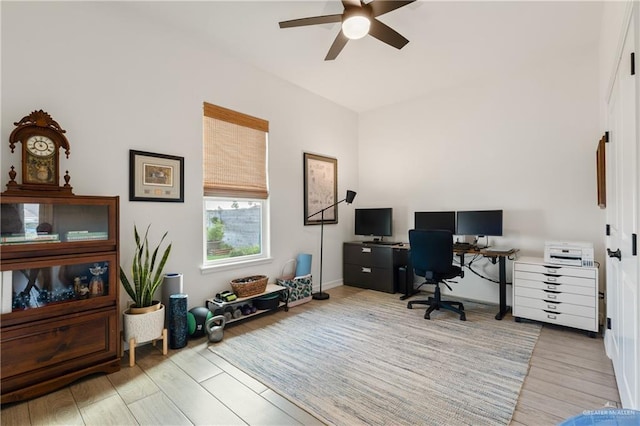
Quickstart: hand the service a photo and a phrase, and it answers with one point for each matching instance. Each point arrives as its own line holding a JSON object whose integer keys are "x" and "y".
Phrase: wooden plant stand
{"x": 133, "y": 344}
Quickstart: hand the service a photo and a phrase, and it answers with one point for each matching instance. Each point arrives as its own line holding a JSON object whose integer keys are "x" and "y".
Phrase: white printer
{"x": 568, "y": 253}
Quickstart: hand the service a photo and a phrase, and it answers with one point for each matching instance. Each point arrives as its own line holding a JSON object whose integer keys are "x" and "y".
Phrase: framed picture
{"x": 601, "y": 173}
{"x": 155, "y": 177}
{"x": 320, "y": 189}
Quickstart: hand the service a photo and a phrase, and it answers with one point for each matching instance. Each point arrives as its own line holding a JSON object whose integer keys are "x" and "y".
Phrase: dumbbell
{"x": 237, "y": 313}
{"x": 228, "y": 313}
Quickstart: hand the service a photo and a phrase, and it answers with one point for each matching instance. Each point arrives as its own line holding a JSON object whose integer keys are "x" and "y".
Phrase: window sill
{"x": 209, "y": 269}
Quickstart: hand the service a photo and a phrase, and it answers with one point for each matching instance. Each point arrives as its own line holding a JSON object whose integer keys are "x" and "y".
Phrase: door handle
{"x": 615, "y": 254}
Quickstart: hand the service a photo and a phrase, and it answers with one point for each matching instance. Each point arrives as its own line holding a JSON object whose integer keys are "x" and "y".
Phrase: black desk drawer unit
{"x": 380, "y": 279}
{"x": 372, "y": 266}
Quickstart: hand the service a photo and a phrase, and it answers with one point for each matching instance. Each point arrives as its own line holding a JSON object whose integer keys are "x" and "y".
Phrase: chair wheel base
{"x": 437, "y": 304}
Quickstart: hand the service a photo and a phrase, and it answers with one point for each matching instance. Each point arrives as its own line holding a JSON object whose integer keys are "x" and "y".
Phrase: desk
{"x": 501, "y": 257}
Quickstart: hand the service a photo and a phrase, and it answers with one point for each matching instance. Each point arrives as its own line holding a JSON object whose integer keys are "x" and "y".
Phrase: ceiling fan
{"x": 358, "y": 20}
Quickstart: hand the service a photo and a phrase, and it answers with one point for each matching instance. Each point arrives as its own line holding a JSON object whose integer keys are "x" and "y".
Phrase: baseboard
{"x": 327, "y": 286}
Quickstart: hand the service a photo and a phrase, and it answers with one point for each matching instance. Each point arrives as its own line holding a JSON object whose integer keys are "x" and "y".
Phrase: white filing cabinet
{"x": 556, "y": 294}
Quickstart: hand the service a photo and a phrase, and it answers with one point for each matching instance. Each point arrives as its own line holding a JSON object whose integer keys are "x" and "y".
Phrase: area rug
{"x": 367, "y": 359}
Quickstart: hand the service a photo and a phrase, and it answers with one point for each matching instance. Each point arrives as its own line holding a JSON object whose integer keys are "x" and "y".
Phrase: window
{"x": 235, "y": 187}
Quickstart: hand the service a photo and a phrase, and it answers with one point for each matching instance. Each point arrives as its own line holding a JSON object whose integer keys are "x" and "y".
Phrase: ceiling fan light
{"x": 355, "y": 27}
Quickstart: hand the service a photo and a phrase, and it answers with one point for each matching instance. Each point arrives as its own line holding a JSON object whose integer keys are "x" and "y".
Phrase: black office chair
{"x": 432, "y": 258}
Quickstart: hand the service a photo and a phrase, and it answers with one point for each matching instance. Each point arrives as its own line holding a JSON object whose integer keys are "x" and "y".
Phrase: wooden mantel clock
{"x": 41, "y": 138}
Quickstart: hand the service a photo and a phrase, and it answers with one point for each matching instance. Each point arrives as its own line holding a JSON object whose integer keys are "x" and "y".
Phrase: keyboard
{"x": 463, "y": 246}
{"x": 499, "y": 249}
{"x": 383, "y": 243}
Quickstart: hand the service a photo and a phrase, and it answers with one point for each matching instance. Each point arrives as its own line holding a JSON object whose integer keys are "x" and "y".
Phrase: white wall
{"x": 525, "y": 144}
{"x": 116, "y": 82}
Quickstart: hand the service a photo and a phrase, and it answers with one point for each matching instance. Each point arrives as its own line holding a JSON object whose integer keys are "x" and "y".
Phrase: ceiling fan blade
{"x": 380, "y": 7}
{"x": 315, "y": 20}
{"x": 387, "y": 34}
{"x": 337, "y": 46}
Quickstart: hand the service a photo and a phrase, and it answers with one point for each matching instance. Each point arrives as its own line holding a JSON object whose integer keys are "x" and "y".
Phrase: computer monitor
{"x": 375, "y": 222}
{"x": 482, "y": 223}
{"x": 435, "y": 220}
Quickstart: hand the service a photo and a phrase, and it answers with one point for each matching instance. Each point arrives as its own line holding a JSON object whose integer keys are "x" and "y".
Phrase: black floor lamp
{"x": 349, "y": 199}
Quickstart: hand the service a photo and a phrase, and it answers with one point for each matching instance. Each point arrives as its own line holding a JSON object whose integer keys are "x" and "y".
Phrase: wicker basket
{"x": 249, "y": 286}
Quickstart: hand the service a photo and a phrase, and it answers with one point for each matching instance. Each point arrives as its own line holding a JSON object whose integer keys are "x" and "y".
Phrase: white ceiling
{"x": 450, "y": 42}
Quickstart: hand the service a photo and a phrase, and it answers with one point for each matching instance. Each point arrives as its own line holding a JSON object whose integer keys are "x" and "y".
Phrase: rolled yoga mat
{"x": 303, "y": 264}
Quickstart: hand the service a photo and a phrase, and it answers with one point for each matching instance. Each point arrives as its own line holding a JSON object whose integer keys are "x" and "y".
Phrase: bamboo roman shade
{"x": 235, "y": 154}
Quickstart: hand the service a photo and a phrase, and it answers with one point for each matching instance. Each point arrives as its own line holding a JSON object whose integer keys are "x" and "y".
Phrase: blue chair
{"x": 432, "y": 258}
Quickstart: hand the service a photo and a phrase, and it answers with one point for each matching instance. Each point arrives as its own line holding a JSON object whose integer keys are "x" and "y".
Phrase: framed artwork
{"x": 601, "y": 173}
{"x": 320, "y": 189}
{"x": 155, "y": 177}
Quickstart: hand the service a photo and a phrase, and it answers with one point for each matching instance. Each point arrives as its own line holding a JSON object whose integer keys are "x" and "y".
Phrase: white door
{"x": 612, "y": 299}
{"x": 623, "y": 290}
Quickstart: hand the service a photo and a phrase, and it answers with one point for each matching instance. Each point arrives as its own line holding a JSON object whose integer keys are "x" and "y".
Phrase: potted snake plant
{"x": 144, "y": 320}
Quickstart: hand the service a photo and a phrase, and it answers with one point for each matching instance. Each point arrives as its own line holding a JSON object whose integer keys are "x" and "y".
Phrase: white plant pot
{"x": 144, "y": 327}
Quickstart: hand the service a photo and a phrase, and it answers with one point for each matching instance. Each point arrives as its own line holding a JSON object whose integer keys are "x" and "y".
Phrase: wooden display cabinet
{"x": 59, "y": 291}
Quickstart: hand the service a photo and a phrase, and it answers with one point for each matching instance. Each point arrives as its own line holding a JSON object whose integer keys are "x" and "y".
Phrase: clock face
{"x": 41, "y": 146}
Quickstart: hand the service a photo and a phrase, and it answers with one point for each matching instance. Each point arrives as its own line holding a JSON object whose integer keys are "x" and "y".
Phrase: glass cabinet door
{"x": 58, "y": 284}
{"x": 32, "y": 225}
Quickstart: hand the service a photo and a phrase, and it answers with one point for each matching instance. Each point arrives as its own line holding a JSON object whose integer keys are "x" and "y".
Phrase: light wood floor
{"x": 569, "y": 373}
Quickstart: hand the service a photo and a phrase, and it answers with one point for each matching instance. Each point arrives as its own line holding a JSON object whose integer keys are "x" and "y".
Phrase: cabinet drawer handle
{"x": 366, "y": 249}
{"x": 551, "y": 307}
{"x": 366, "y": 270}
{"x": 551, "y": 287}
{"x": 552, "y": 271}
{"x": 551, "y": 279}
{"x": 550, "y": 316}
{"x": 552, "y": 296}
